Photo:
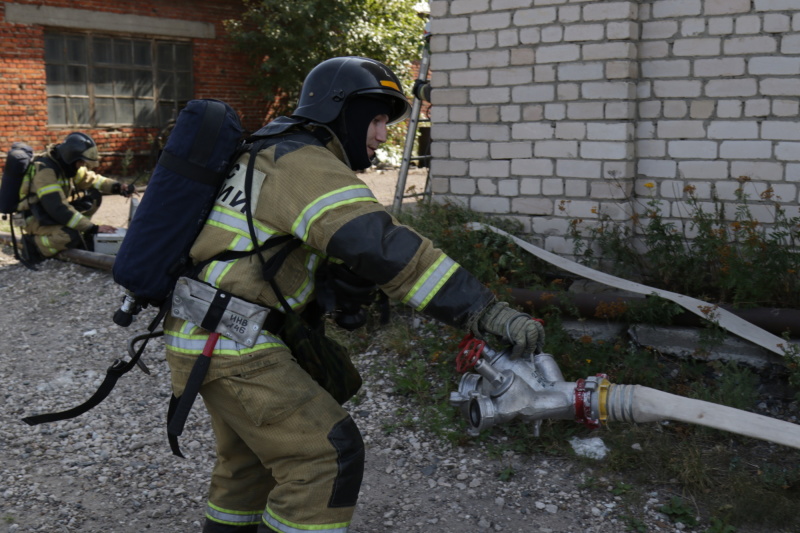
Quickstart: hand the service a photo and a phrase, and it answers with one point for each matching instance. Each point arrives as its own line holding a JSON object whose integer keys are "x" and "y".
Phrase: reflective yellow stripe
{"x": 73, "y": 222}
{"x": 326, "y": 202}
{"x": 48, "y": 189}
{"x": 233, "y": 221}
{"x": 193, "y": 343}
{"x": 284, "y": 526}
{"x": 24, "y": 190}
{"x": 45, "y": 241}
{"x": 232, "y": 518}
{"x": 302, "y": 294}
{"x": 431, "y": 281}
{"x": 215, "y": 271}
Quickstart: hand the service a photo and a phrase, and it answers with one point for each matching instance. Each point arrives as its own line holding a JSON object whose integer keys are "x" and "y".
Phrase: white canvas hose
{"x": 713, "y": 313}
{"x": 502, "y": 388}
{"x": 635, "y": 403}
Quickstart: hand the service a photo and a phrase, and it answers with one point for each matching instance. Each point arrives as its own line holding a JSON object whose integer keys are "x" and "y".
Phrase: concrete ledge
{"x": 84, "y": 19}
{"x": 676, "y": 341}
{"x": 688, "y": 342}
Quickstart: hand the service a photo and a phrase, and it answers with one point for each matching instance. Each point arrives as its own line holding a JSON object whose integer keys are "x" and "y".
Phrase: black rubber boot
{"x": 215, "y": 527}
{"x": 30, "y": 252}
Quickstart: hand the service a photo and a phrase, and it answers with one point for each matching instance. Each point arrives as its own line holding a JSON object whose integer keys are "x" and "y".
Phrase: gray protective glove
{"x": 524, "y": 333}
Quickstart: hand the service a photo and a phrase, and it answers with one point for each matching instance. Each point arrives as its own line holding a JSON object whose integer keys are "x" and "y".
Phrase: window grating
{"x": 99, "y": 80}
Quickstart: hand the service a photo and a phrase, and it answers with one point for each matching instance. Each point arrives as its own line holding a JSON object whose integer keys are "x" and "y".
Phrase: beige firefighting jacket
{"x": 52, "y": 190}
{"x": 303, "y": 187}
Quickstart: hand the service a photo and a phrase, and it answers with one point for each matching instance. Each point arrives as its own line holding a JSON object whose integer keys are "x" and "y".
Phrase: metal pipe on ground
{"x": 776, "y": 321}
{"x": 81, "y": 257}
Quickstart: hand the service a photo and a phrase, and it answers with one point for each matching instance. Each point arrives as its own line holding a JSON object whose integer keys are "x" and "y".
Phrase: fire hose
{"x": 496, "y": 389}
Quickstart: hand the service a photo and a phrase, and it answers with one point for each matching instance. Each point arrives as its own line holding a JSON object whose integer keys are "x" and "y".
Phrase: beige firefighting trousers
{"x": 287, "y": 453}
{"x": 53, "y": 239}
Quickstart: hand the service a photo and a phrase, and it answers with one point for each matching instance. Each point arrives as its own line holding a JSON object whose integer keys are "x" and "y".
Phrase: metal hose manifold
{"x": 501, "y": 389}
{"x": 533, "y": 389}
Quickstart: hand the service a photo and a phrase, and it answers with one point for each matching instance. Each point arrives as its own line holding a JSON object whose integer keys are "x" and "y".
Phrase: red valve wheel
{"x": 469, "y": 351}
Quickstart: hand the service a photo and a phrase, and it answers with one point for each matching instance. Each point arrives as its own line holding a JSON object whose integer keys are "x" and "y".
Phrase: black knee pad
{"x": 346, "y": 438}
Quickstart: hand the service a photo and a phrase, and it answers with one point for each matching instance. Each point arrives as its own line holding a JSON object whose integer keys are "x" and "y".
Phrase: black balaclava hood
{"x": 69, "y": 170}
{"x": 352, "y": 124}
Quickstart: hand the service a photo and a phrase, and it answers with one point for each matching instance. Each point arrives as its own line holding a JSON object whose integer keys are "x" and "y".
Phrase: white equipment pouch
{"x": 218, "y": 311}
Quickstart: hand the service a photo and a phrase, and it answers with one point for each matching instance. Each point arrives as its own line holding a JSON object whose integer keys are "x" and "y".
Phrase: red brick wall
{"x": 219, "y": 72}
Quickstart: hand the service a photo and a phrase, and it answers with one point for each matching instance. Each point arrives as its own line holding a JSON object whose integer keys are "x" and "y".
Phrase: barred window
{"x": 98, "y": 80}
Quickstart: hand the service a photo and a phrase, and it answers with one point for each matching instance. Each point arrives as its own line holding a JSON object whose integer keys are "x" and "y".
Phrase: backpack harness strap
{"x": 179, "y": 407}
{"x": 114, "y": 372}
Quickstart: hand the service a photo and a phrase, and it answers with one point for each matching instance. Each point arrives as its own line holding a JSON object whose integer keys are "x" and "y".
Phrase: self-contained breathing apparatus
{"x": 17, "y": 167}
{"x": 155, "y": 249}
{"x": 154, "y": 267}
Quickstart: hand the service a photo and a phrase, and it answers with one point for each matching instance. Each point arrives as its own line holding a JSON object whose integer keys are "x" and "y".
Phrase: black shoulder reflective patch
{"x": 286, "y": 144}
{"x": 287, "y": 147}
{"x": 374, "y": 247}
{"x": 346, "y": 438}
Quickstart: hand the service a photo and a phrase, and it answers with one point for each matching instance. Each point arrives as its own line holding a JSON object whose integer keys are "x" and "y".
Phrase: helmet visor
{"x": 90, "y": 156}
{"x": 400, "y": 108}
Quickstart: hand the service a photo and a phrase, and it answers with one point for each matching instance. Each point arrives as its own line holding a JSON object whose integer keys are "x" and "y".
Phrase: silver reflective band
{"x": 241, "y": 321}
{"x": 234, "y": 518}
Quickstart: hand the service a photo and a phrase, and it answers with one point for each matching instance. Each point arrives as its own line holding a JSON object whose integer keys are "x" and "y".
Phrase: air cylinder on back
{"x": 178, "y": 199}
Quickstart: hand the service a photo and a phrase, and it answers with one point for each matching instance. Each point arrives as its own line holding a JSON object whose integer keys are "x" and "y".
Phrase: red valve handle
{"x": 469, "y": 351}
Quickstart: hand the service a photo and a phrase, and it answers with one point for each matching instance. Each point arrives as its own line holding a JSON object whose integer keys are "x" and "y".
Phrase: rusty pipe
{"x": 774, "y": 320}
{"x": 81, "y": 257}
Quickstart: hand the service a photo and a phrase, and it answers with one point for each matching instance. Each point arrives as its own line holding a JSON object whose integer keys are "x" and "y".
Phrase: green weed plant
{"x": 720, "y": 253}
{"x": 715, "y": 469}
{"x": 492, "y": 258}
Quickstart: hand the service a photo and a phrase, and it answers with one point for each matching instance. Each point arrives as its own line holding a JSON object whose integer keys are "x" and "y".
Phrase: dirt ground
{"x": 110, "y": 470}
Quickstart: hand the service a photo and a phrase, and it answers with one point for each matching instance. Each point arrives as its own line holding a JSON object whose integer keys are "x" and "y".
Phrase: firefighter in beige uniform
{"x": 60, "y": 197}
{"x": 289, "y": 457}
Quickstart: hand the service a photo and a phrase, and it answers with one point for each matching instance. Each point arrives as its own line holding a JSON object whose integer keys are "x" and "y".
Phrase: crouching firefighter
{"x": 289, "y": 457}
{"x": 61, "y": 196}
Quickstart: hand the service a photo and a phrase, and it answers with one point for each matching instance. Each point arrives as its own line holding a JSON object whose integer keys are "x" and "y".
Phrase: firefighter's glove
{"x": 422, "y": 90}
{"x": 350, "y": 288}
{"x": 127, "y": 190}
{"x": 347, "y": 294}
{"x": 524, "y": 333}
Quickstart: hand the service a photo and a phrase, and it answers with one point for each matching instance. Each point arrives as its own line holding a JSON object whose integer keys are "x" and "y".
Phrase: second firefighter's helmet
{"x": 333, "y": 82}
{"x": 78, "y": 146}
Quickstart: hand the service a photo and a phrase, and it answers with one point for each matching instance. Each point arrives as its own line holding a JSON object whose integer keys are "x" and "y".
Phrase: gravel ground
{"x": 111, "y": 470}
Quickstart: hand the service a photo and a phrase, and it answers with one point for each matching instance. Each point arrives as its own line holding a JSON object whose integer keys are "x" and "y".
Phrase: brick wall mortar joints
{"x": 22, "y": 81}
{"x": 772, "y": 106}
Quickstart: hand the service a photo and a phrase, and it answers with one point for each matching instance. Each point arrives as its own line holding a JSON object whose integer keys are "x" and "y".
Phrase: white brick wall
{"x": 549, "y": 110}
